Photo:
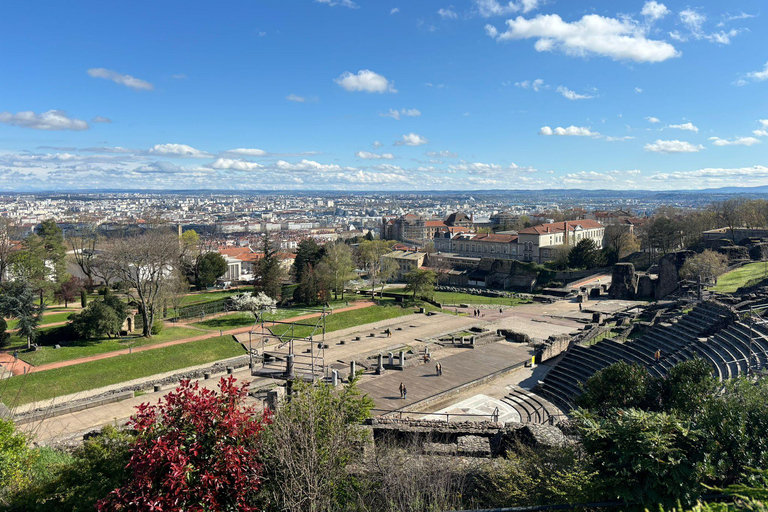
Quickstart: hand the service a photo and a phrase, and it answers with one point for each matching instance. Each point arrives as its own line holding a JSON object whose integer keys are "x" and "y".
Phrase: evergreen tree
{"x": 268, "y": 272}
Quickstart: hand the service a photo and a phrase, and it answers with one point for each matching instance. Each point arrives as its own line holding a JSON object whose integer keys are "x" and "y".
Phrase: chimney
{"x": 565, "y": 235}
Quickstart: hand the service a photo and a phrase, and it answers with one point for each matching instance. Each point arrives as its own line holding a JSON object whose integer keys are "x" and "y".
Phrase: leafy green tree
{"x": 378, "y": 268}
{"x": 307, "y": 253}
{"x": 93, "y": 471}
{"x": 3, "y": 335}
{"x": 341, "y": 266}
{"x": 621, "y": 385}
{"x": 103, "y": 317}
{"x": 14, "y": 458}
{"x": 269, "y": 275}
{"x": 644, "y": 458}
{"x": 687, "y": 387}
{"x": 313, "y": 287}
{"x": 69, "y": 290}
{"x": 308, "y": 448}
{"x": 209, "y": 268}
{"x": 585, "y": 255}
{"x": 421, "y": 282}
{"x": 18, "y": 301}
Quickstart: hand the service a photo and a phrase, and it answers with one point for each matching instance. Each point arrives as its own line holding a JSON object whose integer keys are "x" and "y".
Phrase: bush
{"x": 83, "y": 299}
{"x": 56, "y": 335}
{"x": 157, "y": 327}
{"x": 102, "y": 317}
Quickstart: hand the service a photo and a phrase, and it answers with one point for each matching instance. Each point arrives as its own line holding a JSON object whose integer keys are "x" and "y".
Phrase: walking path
{"x": 20, "y": 369}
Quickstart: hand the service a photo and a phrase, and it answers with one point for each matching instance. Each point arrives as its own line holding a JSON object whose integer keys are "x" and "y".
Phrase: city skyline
{"x": 342, "y": 95}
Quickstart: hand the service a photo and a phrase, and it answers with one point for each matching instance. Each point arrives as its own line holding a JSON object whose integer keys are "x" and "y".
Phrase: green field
{"x": 51, "y": 318}
{"x": 84, "y": 348}
{"x": 23, "y": 389}
{"x": 466, "y": 298}
{"x": 747, "y": 275}
{"x": 242, "y": 319}
{"x": 345, "y": 319}
{"x": 204, "y": 297}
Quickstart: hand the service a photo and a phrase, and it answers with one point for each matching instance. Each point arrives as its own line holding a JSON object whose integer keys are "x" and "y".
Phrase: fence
{"x": 494, "y": 417}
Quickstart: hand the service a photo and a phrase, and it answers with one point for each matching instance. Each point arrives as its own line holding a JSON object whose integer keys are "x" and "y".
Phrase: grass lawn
{"x": 23, "y": 389}
{"x": 51, "y": 318}
{"x": 346, "y": 319}
{"x": 203, "y": 297}
{"x": 84, "y": 348}
{"x": 466, "y": 298}
{"x": 241, "y": 319}
{"x": 747, "y": 275}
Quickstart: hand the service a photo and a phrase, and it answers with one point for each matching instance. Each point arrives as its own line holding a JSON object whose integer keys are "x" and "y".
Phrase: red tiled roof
{"x": 507, "y": 239}
{"x": 434, "y": 224}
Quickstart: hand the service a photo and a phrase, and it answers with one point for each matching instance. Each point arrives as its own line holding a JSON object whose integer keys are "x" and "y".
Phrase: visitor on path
{"x": 405, "y": 393}
{"x": 501, "y": 311}
{"x": 439, "y": 369}
{"x": 402, "y": 390}
{"x": 657, "y": 355}
{"x": 580, "y": 306}
{"x": 15, "y": 356}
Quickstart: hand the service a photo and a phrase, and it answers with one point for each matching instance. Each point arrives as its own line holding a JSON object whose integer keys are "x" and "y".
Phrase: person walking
{"x": 15, "y": 356}
{"x": 657, "y": 355}
{"x": 580, "y": 306}
{"x": 405, "y": 393}
{"x": 437, "y": 369}
{"x": 402, "y": 390}
{"x": 501, "y": 311}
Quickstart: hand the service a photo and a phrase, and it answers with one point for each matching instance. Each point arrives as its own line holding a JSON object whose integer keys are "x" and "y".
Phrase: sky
{"x": 383, "y": 95}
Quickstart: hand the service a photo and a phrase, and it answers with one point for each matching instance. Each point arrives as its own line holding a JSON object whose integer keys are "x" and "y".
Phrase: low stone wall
{"x": 499, "y": 438}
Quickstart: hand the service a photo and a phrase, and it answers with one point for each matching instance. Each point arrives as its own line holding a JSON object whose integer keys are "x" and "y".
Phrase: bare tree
{"x": 83, "y": 244}
{"x": 146, "y": 262}
{"x": 105, "y": 267}
{"x": 176, "y": 287}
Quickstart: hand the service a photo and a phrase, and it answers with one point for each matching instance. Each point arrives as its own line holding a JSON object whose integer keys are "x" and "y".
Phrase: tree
{"x": 14, "y": 458}
{"x": 708, "y": 265}
{"x": 687, "y": 387}
{"x": 307, "y": 253}
{"x": 145, "y": 262}
{"x": 314, "y": 286}
{"x": 103, "y": 317}
{"x": 341, "y": 267}
{"x": 53, "y": 249}
{"x": 9, "y": 237}
{"x": 644, "y": 458}
{"x": 75, "y": 485}
{"x": 618, "y": 243}
{"x": 69, "y": 290}
{"x": 585, "y": 255}
{"x": 28, "y": 264}
{"x": 18, "y": 301}
{"x": 378, "y": 268}
{"x": 210, "y": 267}
{"x": 621, "y": 385}
{"x": 105, "y": 267}
{"x": 197, "y": 450}
{"x": 83, "y": 243}
{"x": 3, "y": 334}
{"x": 253, "y": 303}
{"x": 421, "y": 282}
{"x": 731, "y": 213}
{"x": 313, "y": 438}
{"x": 176, "y": 288}
{"x": 661, "y": 235}
{"x": 269, "y": 275}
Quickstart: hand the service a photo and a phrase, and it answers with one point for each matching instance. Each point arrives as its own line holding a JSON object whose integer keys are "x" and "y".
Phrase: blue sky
{"x": 383, "y": 95}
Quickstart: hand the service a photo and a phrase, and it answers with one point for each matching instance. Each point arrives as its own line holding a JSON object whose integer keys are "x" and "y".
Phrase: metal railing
{"x": 494, "y": 416}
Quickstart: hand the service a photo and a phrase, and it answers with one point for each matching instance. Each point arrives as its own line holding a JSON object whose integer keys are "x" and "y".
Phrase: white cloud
{"x": 573, "y": 131}
{"x": 571, "y": 95}
{"x": 235, "y": 165}
{"x": 179, "y": 150}
{"x": 763, "y": 131}
{"x": 367, "y": 155}
{"x": 377, "y": 144}
{"x": 652, "y": 119}
{"x": 619, "y": 139}
{"x": 411, "y": 139}
{"x": 403, "y": 112}
{"x": 344, "y": 3}
{"x": 296, "y": 98}
{"x": 366, "y": 81}
{"x": 448, "y": 13}
{"x": 50, "y": 120}
{"x": 619, "y": 39}
{"x": 686, "y": 126}
{"x": 654, "y": 10}
{"x": 693, "y": 20}
{"x": 119, "y": 78}
{"x": 738, "y": 141}
{"x": 672, "y": 146}
{"x": 488, "y": 8}
{"x": 759, "y": 76}
{"x": 442, "y": 154}
{"x": 394, "y": 11}
{"x": 101, "y": 119}
{"x": 727, "y": 18}
{"x": 587, "y": 176}
{"x": 247, "y": 152}
{"x": 536, "y": 85}
{"x": 309, "y": 165}
{"x": 638, "y": 90}
{"x": 703, "y": 177}
{"x": 179, "y": 76}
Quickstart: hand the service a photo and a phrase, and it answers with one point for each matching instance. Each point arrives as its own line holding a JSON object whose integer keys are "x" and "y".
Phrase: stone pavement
{"x": 459, "y": 369}
{"x": 476, "y": 408}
